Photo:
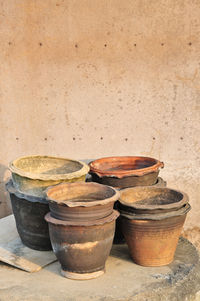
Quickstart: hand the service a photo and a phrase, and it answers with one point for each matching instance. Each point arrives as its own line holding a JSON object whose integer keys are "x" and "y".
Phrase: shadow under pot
{"x": 123, "y": 172}
{"x": 82, "y": 248}
{"x": 29, "y": 215}
{"x": 119, "y": 237}
{"x": 152, "y": 234}
{"x": 81, "y": 201}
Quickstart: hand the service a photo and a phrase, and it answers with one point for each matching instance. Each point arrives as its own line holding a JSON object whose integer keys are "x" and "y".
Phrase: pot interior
{"x": 141, "y": 197}
{"x": 122, "y": 163}
{"x": 47, "y": 165}
{"x": 80, "y": 192}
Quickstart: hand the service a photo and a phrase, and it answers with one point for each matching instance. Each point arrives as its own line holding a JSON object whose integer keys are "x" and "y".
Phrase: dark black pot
{"x": 29, "y": 215}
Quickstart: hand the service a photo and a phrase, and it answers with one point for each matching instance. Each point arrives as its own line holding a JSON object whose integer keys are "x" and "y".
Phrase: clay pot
{"x": 153, "y": 242}
{"x": 122, "y": 172}
{"x": 81, "y": 201}
{"x": 82, "y": 247}
{"x": 29, "y": 215}
{"x": 151, "y": 200}
{"x": 33, "y": 174}
{"x": 119, "y": 237}
{"x": 152, "y": 220}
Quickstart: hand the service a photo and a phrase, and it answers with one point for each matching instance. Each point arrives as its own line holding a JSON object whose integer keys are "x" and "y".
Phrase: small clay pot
{"x": 82, "y": 247}
{"x": 81, "y": 201}
{"x": 122, "y": 172}
{"x": 152, "y": 242}
{"x": 29, "y": 215}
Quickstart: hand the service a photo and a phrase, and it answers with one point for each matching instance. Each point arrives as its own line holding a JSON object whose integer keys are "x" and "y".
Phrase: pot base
{"x": 84, "y": 276}
{"x": 154, "y": 263}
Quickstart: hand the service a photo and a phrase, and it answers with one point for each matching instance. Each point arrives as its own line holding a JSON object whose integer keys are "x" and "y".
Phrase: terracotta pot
{"x": 81, "y": 201}
{"x": 153, "y": 242}
{"x": 119, "y": 237}
{"x": 29, "y": 215}
{"x": 122, "y": 172}
{"x": 33, "y": 174}
{"x": 82, "y": 247}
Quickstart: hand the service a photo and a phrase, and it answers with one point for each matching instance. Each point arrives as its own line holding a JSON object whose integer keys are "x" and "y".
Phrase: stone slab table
{"x": 123, "y": 280}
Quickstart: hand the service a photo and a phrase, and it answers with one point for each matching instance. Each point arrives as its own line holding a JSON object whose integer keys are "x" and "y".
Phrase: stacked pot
{"x": 152, "y": 220}
{"x": 126, "y": 171}
{"x": 151, "y": 216}
{"x": 31, "y": 175}
{"x": 122, "y": 172}
{"x": 82, "y": 225}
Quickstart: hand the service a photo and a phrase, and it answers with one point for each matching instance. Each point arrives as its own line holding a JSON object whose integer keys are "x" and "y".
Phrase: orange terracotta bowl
{"x": 125, "y": 171}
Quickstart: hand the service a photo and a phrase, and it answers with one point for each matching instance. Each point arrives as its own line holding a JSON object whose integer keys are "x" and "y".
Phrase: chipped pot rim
{"x": 101, "y": 172}
{"x": 136, "y": 205}
{"x": 113, "y": 216}
{"x": 64, "y": 187}
{"x": 45, "y": 177}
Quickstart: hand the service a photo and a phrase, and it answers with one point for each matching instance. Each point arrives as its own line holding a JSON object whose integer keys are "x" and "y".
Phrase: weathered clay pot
{"x": 29, "y": 215}
{"x": 152, "y": 220}
{"x": 119, "y": 237}
{"x": 122, "y": 172}
{"x": 151, "y": 200}
{"x": 152, "y": 242}
{"x": 33, "y": 174}
{"x": 81, "y": 201}
{"x": 82, "y": 247}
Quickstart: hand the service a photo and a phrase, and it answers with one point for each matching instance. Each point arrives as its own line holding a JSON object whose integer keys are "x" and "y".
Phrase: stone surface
{"x": 14, "y": 252}
{"x": 123, "y": 280}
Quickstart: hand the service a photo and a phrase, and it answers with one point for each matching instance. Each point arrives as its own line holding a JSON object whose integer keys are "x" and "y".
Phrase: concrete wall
{"x": 92, "y": 78}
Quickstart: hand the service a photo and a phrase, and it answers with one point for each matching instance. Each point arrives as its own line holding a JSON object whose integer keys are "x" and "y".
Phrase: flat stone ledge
{"x": 123, "y": 280}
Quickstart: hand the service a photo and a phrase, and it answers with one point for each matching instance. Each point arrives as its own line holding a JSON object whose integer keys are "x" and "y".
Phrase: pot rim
{"x": 71, "y": 203}
{"x": 12, "y": 190}
{"x": 45, "y": 177}
{"x": 108, "y": 219}
{"x": 137, "y": 205}
{"x": 133, "y": 216}
{"x": 124, "y": 173}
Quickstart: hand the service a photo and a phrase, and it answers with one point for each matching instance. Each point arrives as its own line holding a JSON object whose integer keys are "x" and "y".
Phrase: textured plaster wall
{"x": 92, "y": 78}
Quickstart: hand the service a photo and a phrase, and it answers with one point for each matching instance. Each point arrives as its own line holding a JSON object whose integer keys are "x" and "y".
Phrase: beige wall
{"x": 91, "y": 78}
